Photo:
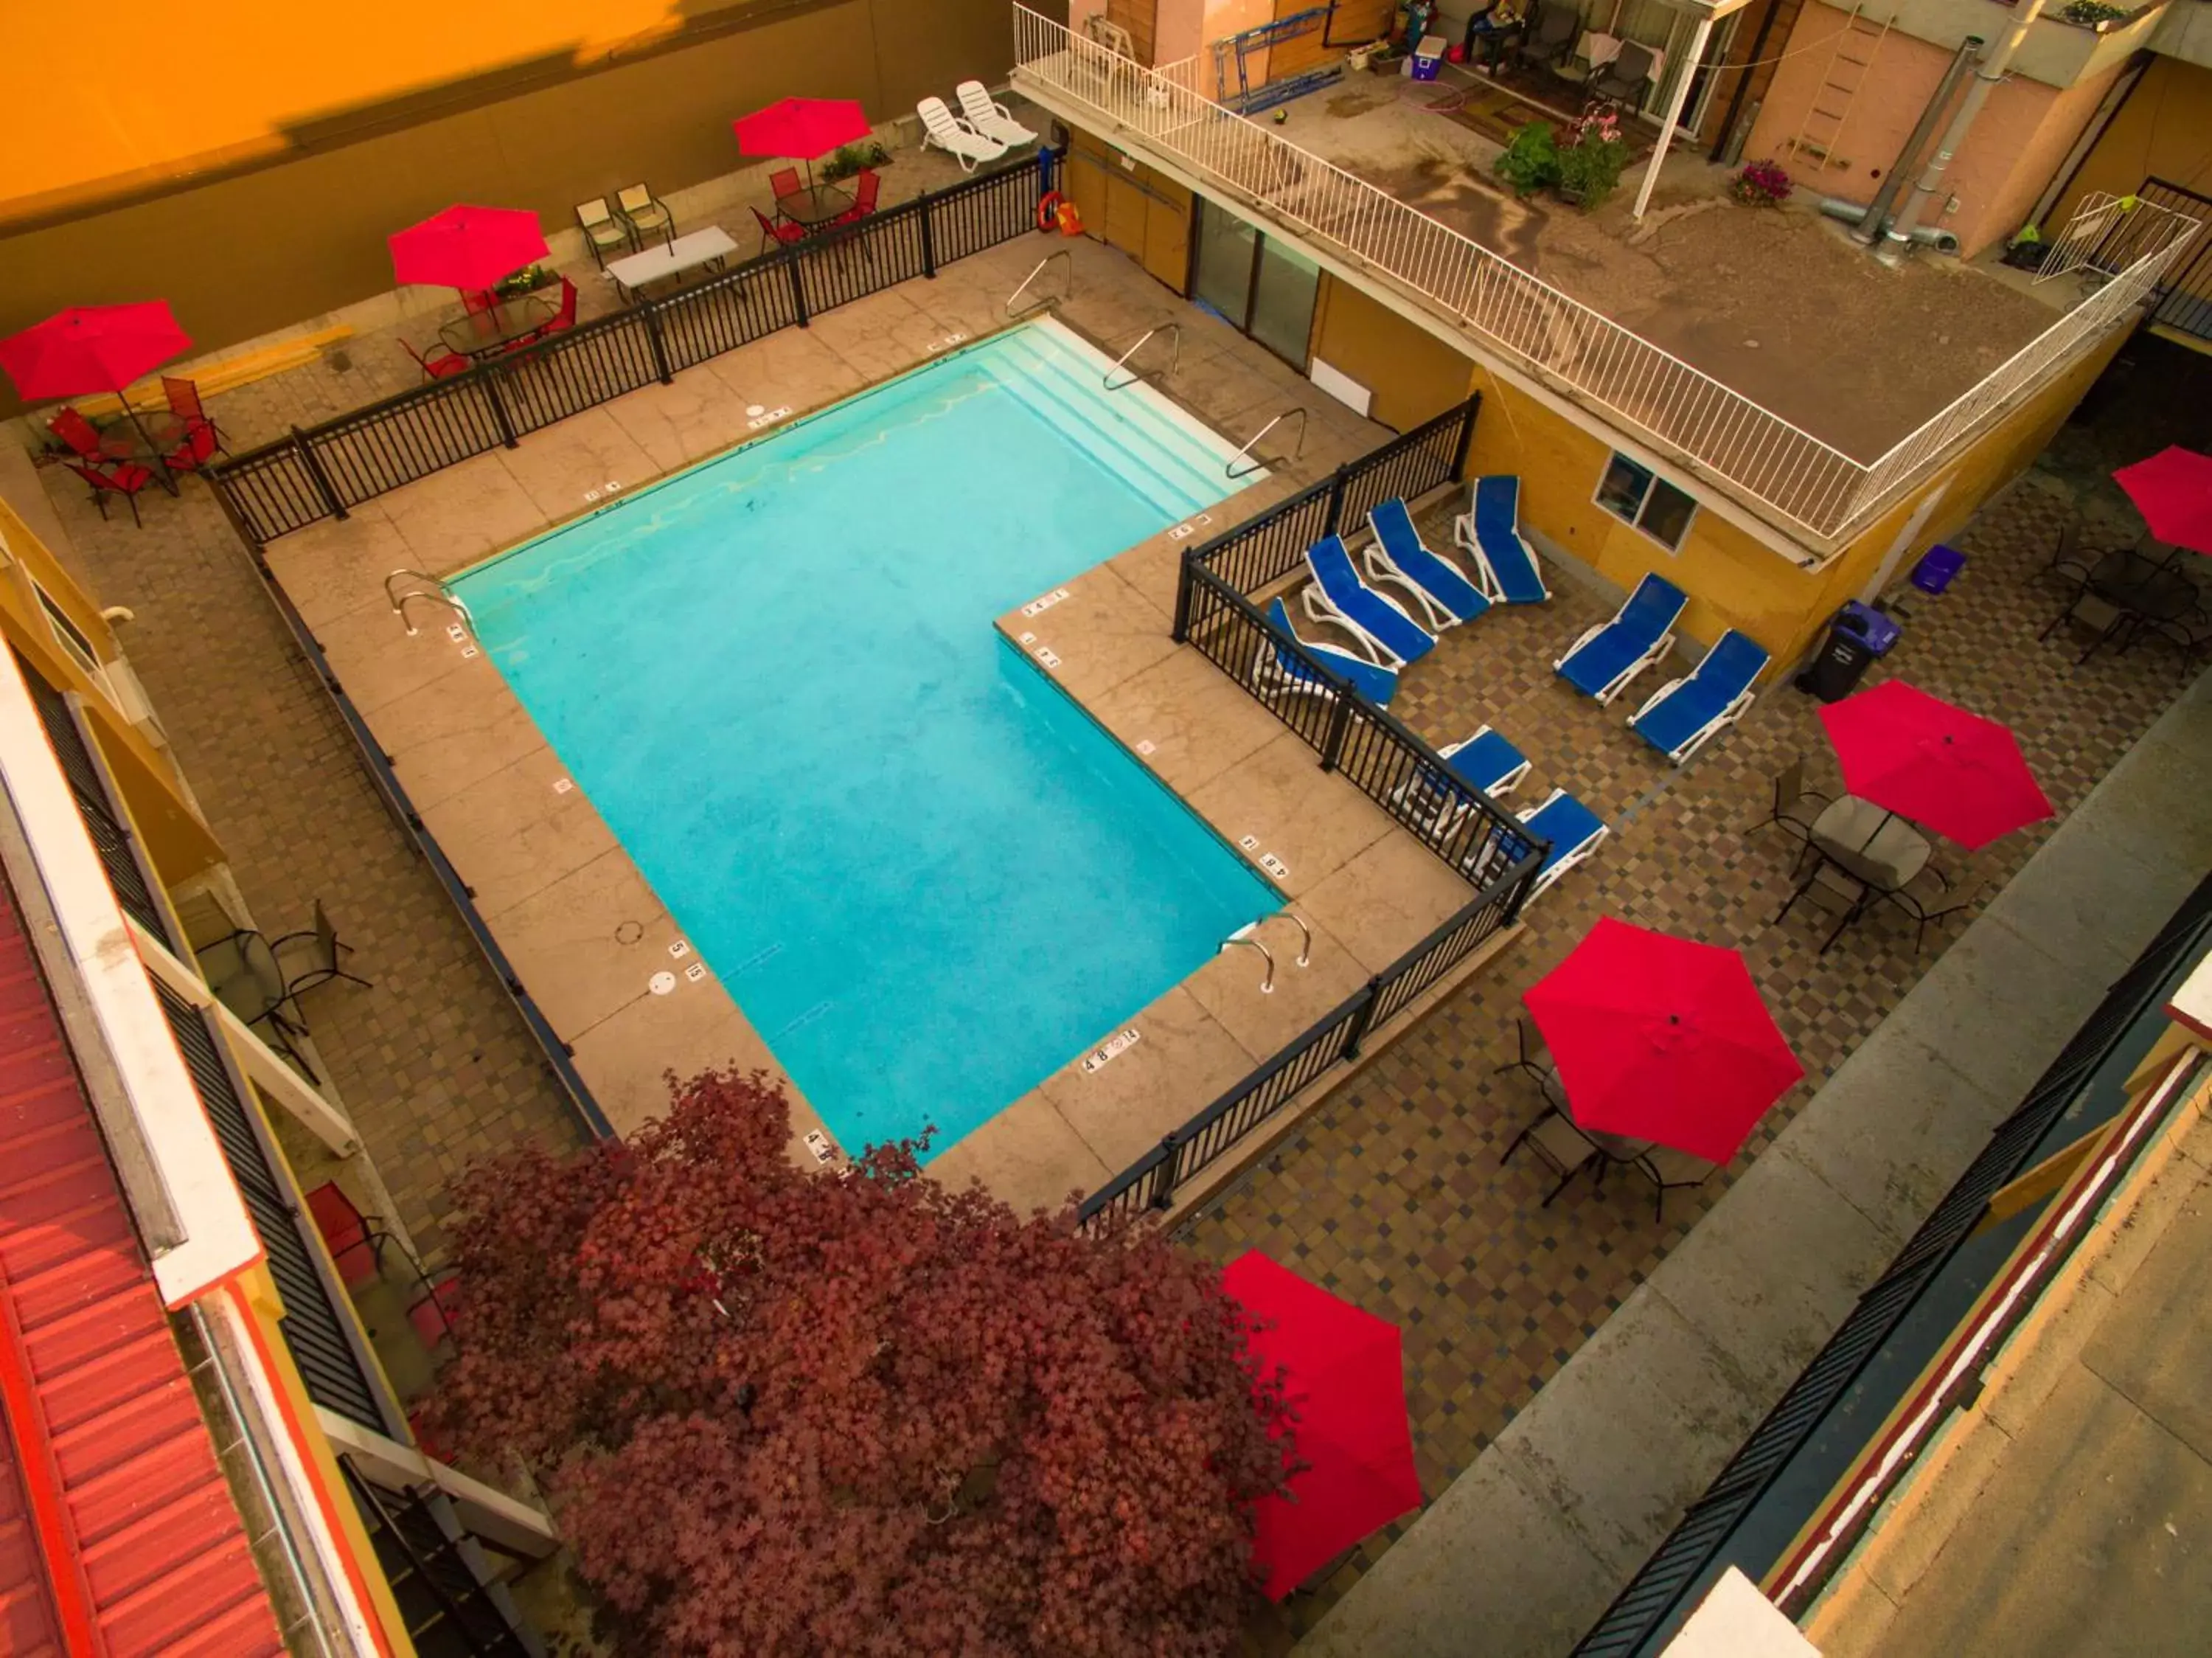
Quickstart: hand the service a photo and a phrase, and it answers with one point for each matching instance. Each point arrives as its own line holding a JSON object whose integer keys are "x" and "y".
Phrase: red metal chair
{"x": 784, "y": 182}
{"x": 776, "y": 230}
{"x": 79, "y": 434}
{"x": 479, "y": 299}
{"x": 562, "y": 319}
{"x": 866, "y": 188}
{"x": 430, "y": 1315}
{"x": 356, "y": 1246}
{"x": 125, "y": 479}
{"x": 447, "y": 363}
{"x": 184, "y": 399}
{"x": 196, "y": 451}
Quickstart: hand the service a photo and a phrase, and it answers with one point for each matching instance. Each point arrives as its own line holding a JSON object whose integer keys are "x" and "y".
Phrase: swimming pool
{"x": 928, "y": 879}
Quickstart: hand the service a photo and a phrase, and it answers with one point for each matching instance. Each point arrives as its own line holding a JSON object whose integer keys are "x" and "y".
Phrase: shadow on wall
{"x": 272, "y": 240}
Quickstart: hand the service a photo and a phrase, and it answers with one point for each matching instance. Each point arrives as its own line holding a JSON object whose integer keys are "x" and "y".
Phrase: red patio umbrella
{"x": 1661, "y": 1038}
{"x": 95, "y": 348}
{"x": 2172, "y": 491}
{"x": 467, "y": 248}
{"x": 1346, "y": 1383}
{"x": 801, "y": 129}
{"x": 1921, "y": 757}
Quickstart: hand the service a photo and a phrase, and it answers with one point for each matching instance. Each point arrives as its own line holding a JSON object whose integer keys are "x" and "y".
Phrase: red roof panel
{"x": 157, "y": 1541}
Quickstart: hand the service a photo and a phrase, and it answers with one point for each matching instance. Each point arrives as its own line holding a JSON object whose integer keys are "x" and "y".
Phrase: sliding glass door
{"x": 1260, "y": 285}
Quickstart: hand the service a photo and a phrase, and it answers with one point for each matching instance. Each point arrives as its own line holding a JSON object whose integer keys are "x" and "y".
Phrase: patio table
{"x": 700, "y": 248}
{"x": 815, "y": 206}
{"x": 2143, "y": 586}
{"x": 1869, "y": 844}
{"x": 484, "y": 333}
{"x": 146, "y": 439}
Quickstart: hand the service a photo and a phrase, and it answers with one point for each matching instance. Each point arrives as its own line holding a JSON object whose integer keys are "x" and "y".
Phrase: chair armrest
{"x": 1656, "y": 697}
{"x": 1588, "y": 634}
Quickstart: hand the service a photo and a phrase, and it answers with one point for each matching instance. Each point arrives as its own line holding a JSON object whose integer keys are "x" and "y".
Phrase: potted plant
{"x": 527, "y": 280}
{"x": 1591, "y": 160}
{"x": 2093, "y": 14}
{"x": 845, "y": 162}
{"x": 1762, "y": 184}
{"x": 1531, "y": 160}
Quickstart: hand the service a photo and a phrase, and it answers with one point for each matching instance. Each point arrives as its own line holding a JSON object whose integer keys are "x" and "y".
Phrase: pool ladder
{"x": 1068, "y": 287}
{"x": 1246, "y": 452}
{"x": 1174, "y": 330}
{"x": 1246, "y": 937}
{"x": 437, "y": 594}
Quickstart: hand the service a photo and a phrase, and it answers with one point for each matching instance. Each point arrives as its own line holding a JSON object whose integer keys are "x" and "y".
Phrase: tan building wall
{"x": 1412, "y": 376}
{"x": 268, "y": 243}
{"x": 177, "y": 842}
{"x": 1732, "y": 579}
{"x": 2024, "y": 132}
{"x": 2163, "y": 130}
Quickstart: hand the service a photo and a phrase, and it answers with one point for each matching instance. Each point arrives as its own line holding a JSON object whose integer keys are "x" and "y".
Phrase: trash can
{"x": 1857, "y": 635}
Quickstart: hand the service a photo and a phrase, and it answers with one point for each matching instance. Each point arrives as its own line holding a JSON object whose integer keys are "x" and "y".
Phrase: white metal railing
{"x": 1645, "y": 387}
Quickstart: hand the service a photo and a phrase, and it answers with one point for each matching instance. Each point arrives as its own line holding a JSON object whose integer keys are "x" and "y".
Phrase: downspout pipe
{"x": 1897, "y": 242}
{"x": 1927, "y": 235}
{"x": 1886, "y": 197}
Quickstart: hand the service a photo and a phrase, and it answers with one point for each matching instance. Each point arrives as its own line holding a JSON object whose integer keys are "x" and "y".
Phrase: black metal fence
{"x": 1471, "y": 832}
{"x": 323, "y": 472}
{"x": 1660, "y": 1589}
{"x": 1149, "y": 1183}
{"x": 2184, "y": 297}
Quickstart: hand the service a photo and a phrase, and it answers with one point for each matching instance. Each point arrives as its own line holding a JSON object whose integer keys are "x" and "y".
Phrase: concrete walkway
{"x": 1529, "y": 1546}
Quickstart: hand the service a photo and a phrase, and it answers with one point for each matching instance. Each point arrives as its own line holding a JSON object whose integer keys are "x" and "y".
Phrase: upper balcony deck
{"x": 1862, "y": 379}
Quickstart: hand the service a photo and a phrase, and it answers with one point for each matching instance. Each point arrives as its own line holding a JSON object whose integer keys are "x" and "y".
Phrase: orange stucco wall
{"x": 2023, "y": 134}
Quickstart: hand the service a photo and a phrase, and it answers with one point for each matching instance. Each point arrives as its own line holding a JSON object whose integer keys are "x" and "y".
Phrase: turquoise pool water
{"x": 924, "y": 873}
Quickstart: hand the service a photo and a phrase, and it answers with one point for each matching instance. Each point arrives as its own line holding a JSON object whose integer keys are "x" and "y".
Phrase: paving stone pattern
{"x": 1393, "y": 1195}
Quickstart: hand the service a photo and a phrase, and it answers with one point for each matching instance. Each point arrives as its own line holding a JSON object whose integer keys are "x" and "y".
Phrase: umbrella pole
{"x": 1886, "y": 814}
{"x": 160, "y": 466}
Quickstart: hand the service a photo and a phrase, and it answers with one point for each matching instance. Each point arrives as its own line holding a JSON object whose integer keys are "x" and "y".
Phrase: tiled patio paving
{"x": 1393, "y": 1194}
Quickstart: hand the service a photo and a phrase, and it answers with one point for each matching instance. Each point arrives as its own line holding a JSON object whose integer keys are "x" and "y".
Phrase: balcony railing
{"x": 1781, "y": 468}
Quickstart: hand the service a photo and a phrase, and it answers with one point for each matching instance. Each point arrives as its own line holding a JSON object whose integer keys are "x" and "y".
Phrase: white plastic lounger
{"x": 1684, "y": 715}
{"x": 1489, "y": 532}
{"x": 941, "y": 127}
{"x": 1485, "y": 761}
{"x": 1442, "y": 597}
{"x": 1573, "y": 830}
{"x": 1277, "y": 667}
{"x": 989, "y": 117}
{"x": 1602, "y": 661}
{"x": 1338, "y": 594}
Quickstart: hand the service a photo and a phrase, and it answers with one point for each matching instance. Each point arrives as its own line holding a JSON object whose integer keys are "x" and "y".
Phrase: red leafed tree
{"x": 785, "y": 1413}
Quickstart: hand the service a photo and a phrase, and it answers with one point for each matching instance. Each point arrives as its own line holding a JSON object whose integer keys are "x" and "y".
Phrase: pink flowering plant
{"x": 1593, "y": 157}
{"x": 1762, "y": 184}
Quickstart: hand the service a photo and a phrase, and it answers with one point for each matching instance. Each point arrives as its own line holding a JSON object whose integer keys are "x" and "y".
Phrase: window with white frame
{"x": 1636, "y": 495}
{"x": 71, "y": 637}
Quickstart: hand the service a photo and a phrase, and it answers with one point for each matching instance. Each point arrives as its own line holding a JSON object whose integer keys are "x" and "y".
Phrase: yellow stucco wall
{"x": 1733, "y": 579}
{"x": 1412, "y": 377}
{"x": 2164, "y": 130}
{"x": 180, "y": 844}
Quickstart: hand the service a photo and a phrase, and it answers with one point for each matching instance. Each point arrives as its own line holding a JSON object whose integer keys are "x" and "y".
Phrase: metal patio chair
{"x": 1555, "y": 1138}
{"x": 1549, "y": 37}
{"x": 323, "y": 964}
{"x": 1669, "y": 1170}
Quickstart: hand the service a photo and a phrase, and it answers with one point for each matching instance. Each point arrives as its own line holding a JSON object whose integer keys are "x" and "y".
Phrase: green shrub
{"x": 1531, "y": 161}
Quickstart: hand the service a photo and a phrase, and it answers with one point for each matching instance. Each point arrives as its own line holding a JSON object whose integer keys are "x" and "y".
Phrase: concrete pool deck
{"x": 584, "y": 931}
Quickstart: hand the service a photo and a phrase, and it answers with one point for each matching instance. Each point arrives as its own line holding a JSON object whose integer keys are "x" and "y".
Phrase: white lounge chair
{"x": 1443, "y": 596}
{"x": 1574, "y": 832}
{"x": 1485, "y": 761}
{"x": 1489, "y": 531}
{"x": 1338, "y": 596}
{"x": 941, "y": 127}
{"x": 1684, "y": 715}
{"x": 1605, "y": 658}
{"x": 989, "y": 117}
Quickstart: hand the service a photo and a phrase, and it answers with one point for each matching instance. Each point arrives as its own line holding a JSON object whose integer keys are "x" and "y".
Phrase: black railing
{"x": 1660, "y": 1590}
{"x": 453, "y": 1603}
{"x": 325, "y": 470}
{"x": 127, "y": 873}
{"x": 1151, "y": 1182}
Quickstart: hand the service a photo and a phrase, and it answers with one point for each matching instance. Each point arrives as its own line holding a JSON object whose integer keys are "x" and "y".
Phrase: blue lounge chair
{"x": 1684, "y": 715}
{"x": 1276, "y": 665}
{"x": 1339, "y": 595}
{"x": 1607, "y": 657}
{"x": 1442, "y": 597}
{"x": 1573, "y": 830}
{"x": 1486, "y": 762}
{"x": 1490, "y": 530}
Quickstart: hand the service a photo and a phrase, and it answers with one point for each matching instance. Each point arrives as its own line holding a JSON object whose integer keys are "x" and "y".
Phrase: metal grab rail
{"x": 1067, "y": 291}
{"x": 1174, "y": 356}
{"x": 1231, "y": 469}
{"x": 437, "y": 593}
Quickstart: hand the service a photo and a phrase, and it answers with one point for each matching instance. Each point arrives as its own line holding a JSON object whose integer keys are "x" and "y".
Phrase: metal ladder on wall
{"x": 1820, "y": 134}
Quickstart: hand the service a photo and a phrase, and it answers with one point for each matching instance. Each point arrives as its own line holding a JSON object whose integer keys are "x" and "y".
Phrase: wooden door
{"x": 1167, "y": 232}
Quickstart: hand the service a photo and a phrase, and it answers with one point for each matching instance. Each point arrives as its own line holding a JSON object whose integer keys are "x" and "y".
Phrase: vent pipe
{"x": 1886, "y": 197}
{"x": 1897, "y": 242}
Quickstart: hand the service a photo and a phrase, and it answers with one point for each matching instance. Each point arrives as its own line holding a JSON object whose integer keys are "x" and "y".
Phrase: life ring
{"x": 1047, "y": 213}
